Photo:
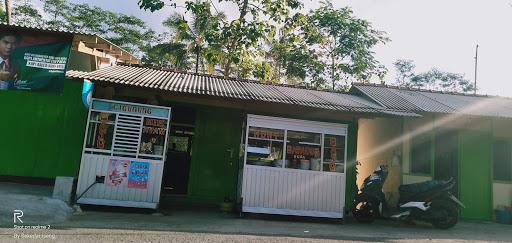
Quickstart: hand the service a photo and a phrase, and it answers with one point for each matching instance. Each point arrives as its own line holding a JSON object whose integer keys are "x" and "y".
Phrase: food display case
{"x": 294, "y": 167}
{"x": 123, "y": 154}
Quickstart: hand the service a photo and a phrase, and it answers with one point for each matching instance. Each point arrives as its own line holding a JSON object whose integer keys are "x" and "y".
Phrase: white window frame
{"x": 287, "y": 124}
{"x": 140, "y": 127}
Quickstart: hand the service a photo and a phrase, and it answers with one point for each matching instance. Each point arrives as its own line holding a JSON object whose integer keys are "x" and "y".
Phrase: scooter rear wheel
{"x": 365, "y": 212}
{"x": 450, "y": 214}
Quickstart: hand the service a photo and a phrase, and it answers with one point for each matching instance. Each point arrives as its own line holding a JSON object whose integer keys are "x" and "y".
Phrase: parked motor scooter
{"x": 429, "y": 201}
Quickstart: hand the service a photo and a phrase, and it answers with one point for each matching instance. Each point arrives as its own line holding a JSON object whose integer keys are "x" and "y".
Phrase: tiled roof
{"x": 419, "y": 100}
{"x": 198, "y": 84}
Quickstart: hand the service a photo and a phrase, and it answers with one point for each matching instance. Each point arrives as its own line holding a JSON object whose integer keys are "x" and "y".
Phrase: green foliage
{"x": 152, "y": 5}
{"x": 3, "y": 15}
{"x": 405, "y": 71}
{"x": 55, "y": 9}
{"x": 25, "y": 13}
{"x": 344, "y": 43}
{"x": 125, "y": 31}
{"x": 196, "y": 39}
{"x": 272, "y": 40}
{"x": 434, "y": 79}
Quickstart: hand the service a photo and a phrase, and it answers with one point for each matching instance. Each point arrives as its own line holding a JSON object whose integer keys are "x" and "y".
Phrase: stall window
{"x": 334, "y": 153}
{"x": 101, "y": 131}
{"x": 265, "y": 147}
{"x": 502, "y": 160}
{"x": 153, "y": 136}
{"x": 421, "y": 156}
{"x": 303, "y": 150}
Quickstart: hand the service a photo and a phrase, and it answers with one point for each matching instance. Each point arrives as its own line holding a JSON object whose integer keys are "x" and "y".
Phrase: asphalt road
{"x": 211, "y": 226}
{"x": 175, "y": 224}
{"x": 115, "y": 235}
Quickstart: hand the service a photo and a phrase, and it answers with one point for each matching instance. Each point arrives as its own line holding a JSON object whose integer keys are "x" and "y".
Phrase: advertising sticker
{"x": 139, "y": 174}
{"x": 32, "y": 60}
{"x": 118, "y": 173}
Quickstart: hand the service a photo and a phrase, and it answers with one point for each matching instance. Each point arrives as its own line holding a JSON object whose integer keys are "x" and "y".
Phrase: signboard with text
{"x": 31, "y": 60}
{"x": 114, "y": 106}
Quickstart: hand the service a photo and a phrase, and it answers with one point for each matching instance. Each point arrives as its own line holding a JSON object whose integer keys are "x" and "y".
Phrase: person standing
{"x": 8, "y": 68}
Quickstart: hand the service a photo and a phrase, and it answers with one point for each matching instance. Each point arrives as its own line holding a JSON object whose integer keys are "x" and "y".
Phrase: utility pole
{"x": 476, "y": 64}
{"x": 8, "y": 10}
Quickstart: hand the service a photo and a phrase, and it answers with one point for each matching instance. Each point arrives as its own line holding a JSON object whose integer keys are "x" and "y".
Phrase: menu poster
{"x": 139, "y": 175}
{"x": 118, "y": 173}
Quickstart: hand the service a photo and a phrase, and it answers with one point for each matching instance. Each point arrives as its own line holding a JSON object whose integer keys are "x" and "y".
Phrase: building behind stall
{"x": 43, "y": 118}
{"x": 467, "y": 137}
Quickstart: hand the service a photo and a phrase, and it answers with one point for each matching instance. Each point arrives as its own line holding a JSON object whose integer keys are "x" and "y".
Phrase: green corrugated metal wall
{"x": 41, "y": 133}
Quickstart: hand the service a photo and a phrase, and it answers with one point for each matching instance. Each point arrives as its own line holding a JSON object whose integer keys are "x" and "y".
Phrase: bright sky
{"x": 433, "y": 33}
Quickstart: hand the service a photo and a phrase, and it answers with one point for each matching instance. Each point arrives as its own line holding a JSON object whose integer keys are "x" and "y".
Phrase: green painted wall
{"x": 214, "y": 166}
{"x": 41, "y": 133}
{"x": 475, "y": 174}
{"x": 351, "y": 187}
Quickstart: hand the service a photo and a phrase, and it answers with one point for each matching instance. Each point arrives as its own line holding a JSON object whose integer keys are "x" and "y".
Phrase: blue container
{"x": 503, "y": 216}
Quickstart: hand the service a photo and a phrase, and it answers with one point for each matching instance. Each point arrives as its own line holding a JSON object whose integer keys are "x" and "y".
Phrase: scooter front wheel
{"x": 365, "y": 212}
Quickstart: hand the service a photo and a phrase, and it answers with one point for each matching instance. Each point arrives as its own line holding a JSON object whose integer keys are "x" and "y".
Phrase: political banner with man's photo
{"x": 33, "y": 60}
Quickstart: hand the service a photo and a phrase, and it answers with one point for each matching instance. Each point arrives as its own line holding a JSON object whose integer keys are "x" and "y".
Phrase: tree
{"x": 128, "y": 32}
{"x": 24, "y": 12}
{"x": 194, "y": 33}
{"x": 433, "y": 79}
{"x": 3, "y": 15}
{"x": 152, "y": 5}
{"x": 57, "y": 12}
{"x": 344, "y": 43}
{"x": 8, "y": 11}
{"x": 237, "y": 41}
{"x": 170, "y": 54}
{"x": 272, "y": 41}
{"x": 405, "y": 71}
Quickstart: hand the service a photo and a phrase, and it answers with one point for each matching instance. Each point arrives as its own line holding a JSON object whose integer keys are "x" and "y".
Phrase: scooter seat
{"x": 419, "y": 187}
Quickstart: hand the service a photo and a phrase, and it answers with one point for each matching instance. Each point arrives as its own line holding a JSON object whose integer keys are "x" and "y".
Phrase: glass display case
{"x": 294, "y": 167}
{"x": 291, "y": 149}
{"x": 303, "y": 150}
{"x": 153, "y": 136}
{"x": 265, "y": 147}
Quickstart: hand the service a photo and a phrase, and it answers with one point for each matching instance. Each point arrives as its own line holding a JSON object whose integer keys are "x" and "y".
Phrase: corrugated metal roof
{"x": 78, "y": 36}
{"x": 198, "y": 84}
{"x": 40, "y": 28}
{"x": 417, "y": 100}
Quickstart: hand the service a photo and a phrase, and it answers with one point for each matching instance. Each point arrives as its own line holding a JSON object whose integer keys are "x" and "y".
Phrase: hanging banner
{"x": 118, "y": 173}
{"x": 139, "y": 174}
{"x": 33, "y": 60}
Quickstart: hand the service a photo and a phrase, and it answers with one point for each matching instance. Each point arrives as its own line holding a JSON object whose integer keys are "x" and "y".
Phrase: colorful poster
{"x": 33, "y": 60}
{"x": 139, "y": 175}
{"x": 118, "y": 173}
